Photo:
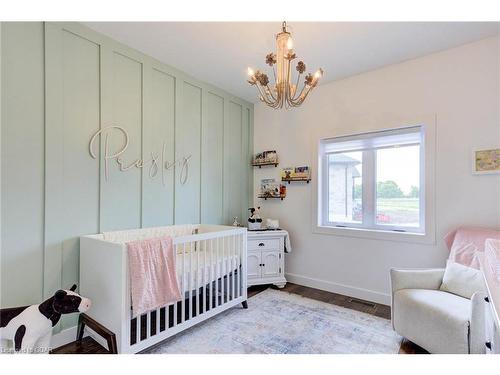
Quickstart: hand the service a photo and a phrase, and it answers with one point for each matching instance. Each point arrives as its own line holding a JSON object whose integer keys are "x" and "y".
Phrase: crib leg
{"x": 244, "y": 304}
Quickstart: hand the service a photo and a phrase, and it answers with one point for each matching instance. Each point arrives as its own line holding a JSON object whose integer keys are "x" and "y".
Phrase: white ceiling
{"x": 219, "y": 52}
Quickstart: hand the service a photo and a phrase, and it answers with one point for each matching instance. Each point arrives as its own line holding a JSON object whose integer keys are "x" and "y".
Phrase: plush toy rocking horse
{"x": 30, "y": 327}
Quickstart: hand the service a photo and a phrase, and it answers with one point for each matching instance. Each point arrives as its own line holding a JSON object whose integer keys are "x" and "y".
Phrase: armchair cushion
{"x": 461, "y": 280}
{"x": 436, "y": 320}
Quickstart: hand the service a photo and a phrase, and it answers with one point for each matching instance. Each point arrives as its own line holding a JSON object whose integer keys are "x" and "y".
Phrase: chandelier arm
{"x": 274, "y": 99}
{"x": 263, "y": 98}
{"x": 271, "y": 93}
{"x": 279, "y": 100}
{"x": 295, "y": 98}
{"x": 264, "y": 95}
{"x": 300, "y": 99}
{"x": 297, "y": 84}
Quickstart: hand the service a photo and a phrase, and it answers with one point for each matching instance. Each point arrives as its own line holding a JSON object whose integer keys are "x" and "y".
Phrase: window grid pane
{"x": 398, "y": 186}
{"x": 345, "y": 187}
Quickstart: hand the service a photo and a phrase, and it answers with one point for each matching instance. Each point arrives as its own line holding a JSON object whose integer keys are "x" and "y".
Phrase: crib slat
{"x": 234, "y": 259}
{"x": 191, "y": 279}
{"x": 222, "y": 269}
{"x": 197, "y": 285}
{"x": 174, "y": 317}
{"x": 217, "y": 286}
{"x": 183, "y": 301}
{"x": 138, "y": 329}
{"x": 238, "y": 266}
{"x": 226, "y": 269}
{"x": 233, "y": 267}
{"x": 220, "y": 287}
{"x": 158, "y": 319}
{"x": 212, "y": 275}
{"x": 204, "y": 276}
{"x": 167, "y": 310}
{"x": 148, "y": 325}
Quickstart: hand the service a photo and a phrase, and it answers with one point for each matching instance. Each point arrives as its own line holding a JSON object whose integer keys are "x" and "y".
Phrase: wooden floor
{"x": 90, "y": 346}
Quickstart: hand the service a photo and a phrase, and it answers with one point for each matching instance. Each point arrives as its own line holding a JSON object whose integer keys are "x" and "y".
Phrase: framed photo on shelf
{"x": 270, "y": 188}
{"x": 266, "y": 157}
{"x": 486, "y": 160}
{"x": 296, "y": 174}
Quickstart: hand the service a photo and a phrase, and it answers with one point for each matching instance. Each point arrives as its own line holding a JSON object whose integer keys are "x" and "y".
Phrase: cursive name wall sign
{"x": 157, "y": 162}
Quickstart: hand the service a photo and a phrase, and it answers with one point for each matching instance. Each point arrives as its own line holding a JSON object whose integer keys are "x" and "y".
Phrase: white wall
{"x": 460, "y": 87}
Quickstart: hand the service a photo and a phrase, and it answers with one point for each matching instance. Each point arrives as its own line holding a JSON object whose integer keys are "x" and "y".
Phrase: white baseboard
{"x": 69, "y": 335}
{"x": 365, "y": 294}
{"x": 63, "y": 337}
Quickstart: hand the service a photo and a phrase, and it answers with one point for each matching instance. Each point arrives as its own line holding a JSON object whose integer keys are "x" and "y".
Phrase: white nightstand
{"x": 266, "y": 258}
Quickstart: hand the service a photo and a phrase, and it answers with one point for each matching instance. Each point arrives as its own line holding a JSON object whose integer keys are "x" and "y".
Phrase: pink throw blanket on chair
{"x": 465, "y": 243}
{"x": 153, "y": 276}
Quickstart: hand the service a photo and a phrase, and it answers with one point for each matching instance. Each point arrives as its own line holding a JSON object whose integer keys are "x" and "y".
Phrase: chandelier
{"x": 284, "y": 92}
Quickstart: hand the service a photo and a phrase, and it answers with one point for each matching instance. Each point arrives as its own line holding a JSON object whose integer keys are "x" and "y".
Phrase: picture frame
{"x": 486, "y": 160}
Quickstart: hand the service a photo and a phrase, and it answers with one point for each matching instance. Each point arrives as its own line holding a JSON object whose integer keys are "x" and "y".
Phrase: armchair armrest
{"x": 477, "y": 329}
{"x": 430, "y": 278}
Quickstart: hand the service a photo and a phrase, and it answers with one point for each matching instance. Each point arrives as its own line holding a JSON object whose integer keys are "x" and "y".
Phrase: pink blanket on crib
{"x": 465, "y": 243}
{"x": 153, "y": 276}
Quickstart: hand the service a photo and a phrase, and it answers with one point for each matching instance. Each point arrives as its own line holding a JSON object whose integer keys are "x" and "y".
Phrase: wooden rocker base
{"x": 85, "y": 320}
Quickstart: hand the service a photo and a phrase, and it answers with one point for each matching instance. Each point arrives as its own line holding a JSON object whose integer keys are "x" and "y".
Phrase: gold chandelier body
{"x": 284, "y": 93}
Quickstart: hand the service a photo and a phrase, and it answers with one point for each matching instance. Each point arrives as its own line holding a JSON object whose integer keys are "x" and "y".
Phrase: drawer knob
{"x": 487, "y": 299}
{"x": 488, "y": 344}
{"x": 261, "y": 244}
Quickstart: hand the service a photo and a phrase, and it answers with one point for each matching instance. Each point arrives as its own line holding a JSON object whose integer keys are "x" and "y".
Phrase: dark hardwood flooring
{"x": 90, "y": 346}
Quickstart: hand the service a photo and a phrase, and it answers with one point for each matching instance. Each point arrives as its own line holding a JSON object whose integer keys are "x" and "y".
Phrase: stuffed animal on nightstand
{"x": 30, "y": 327}
{"x": 254, "y": 221}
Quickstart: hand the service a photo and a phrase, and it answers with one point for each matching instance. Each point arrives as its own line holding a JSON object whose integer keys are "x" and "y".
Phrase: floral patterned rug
{"x": 278, "y": 322}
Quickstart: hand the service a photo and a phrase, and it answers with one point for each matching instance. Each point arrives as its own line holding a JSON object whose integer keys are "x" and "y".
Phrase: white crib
{"x": 211, "y": 270}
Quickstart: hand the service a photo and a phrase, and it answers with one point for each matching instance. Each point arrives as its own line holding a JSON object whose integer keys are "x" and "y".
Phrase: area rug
{"x": 278, "y": 322}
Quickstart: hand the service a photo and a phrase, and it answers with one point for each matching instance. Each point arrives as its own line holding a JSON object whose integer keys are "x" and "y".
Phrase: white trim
{"x": 428, "y": 124}
{"x": 347, "y": 290}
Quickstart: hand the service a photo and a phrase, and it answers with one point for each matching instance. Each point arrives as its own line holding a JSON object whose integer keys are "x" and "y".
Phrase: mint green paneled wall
{"x": 158, "y": 138}
{"x": 188, "y": 143}
{"x": 212, "y": 207}
{"x": 22, "y": 158}
{"x": 60, "y": 84}
{"x": 232, "y": 179}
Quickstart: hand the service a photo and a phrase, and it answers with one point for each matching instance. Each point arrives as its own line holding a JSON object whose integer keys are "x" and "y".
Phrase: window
{"x": 373, "y": 181}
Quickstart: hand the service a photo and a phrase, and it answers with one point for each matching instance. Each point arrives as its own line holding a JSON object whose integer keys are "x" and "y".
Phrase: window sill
{"x": 428, "y": 238}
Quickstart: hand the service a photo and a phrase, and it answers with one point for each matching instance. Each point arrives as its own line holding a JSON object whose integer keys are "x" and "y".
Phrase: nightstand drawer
{"x": 264, "y": 244}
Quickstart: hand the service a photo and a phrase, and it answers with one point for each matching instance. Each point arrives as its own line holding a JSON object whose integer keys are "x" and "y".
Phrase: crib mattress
{"x": 194, "y": 275}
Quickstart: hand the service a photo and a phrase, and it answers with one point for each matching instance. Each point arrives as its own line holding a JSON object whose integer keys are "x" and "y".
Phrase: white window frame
{"x": 368, "y": 229}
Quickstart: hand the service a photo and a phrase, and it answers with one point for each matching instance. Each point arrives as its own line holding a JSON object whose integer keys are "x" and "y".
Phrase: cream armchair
{"x": 438, "y": 321}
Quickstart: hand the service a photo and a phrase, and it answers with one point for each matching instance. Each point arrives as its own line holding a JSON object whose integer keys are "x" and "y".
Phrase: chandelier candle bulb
{"x": 283, "y": 93}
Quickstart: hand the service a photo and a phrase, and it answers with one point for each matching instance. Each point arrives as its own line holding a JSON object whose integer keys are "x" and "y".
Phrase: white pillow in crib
{"x": 461, "y": 280}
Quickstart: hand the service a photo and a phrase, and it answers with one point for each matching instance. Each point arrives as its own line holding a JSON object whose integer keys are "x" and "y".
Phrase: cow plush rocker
{"x": 30, "y": 327}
